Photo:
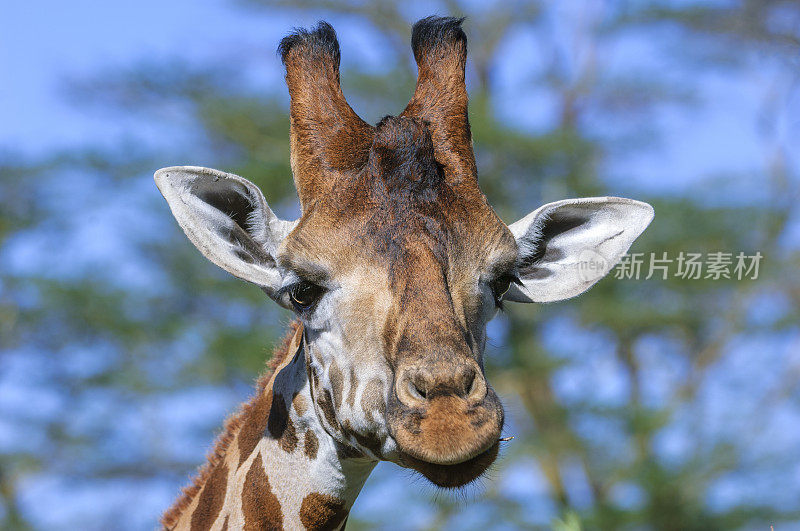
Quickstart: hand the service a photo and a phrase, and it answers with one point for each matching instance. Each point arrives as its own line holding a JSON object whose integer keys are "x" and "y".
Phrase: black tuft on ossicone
{"x": 433, "y": 31}
{"x": 319, "y": 40}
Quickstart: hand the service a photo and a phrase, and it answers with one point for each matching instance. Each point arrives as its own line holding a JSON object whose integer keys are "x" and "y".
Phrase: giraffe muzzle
{"x": 446, "y": 421}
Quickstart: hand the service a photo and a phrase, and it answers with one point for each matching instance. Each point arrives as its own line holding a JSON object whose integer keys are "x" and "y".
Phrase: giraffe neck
{"x": 279, "y": 468}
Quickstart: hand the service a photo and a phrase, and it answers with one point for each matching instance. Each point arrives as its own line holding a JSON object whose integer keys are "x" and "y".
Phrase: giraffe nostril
{"x": 465, "y": 381}
{"x": 412, "y": 390}
{"x": 476, "y": 387}
{"x": 473, "y": 385}
{"x": 416, "y": 390}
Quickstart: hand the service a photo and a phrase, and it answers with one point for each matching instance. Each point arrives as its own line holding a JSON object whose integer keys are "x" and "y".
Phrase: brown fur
{"x": 254, "y": 420}
{"x": 330, "y": 143}
{"x": 322, "y": 511}
{"x": 288, "y": 440}
{"x": 233, "y": 425}
{"x": 327, "y": 137}
{"x": 280, "y": 424}
{"x": 311, "y": 445}
{"x": 299, "y": 404}
{"x": 440, "y": 49}
{"x": 260, "y": 506}
{"x": 450, "y": 427}
{"x": 211, "y": 499}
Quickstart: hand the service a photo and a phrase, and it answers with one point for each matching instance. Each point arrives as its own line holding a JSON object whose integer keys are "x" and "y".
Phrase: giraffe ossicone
{"x": 393, "y": 270}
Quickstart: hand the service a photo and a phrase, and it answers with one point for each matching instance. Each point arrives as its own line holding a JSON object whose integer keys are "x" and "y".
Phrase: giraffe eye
{"x": 304, "y": 295}
{"x": 501, "y": 284}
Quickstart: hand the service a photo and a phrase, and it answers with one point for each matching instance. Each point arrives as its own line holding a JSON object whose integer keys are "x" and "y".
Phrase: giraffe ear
{"x": 227, "y": 218}
{"x": 567, "y": 246}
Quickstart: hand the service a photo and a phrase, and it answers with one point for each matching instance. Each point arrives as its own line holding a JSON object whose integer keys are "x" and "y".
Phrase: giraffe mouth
{"x": 456, "y": 475}
{"x": 450, "y": 440}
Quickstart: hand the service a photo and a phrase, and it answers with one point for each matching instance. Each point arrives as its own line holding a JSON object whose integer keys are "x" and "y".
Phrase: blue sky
{"x": 45, "y": 43}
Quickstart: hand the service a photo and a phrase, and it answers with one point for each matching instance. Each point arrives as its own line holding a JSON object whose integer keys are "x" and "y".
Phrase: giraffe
{"x": 393, "y": 270}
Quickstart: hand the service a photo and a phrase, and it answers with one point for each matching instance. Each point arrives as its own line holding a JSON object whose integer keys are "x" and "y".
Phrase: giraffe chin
{"x": 456, "y": 475}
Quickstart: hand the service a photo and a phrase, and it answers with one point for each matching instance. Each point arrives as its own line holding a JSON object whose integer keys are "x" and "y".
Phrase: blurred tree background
{"x": 643, "y": 404}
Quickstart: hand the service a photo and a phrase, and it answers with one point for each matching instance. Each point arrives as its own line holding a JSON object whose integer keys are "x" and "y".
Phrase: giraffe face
{"x": 395, "y": 277}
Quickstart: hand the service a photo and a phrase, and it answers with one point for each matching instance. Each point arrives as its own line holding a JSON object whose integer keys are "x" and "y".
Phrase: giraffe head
{"x": 398, "y": 262}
